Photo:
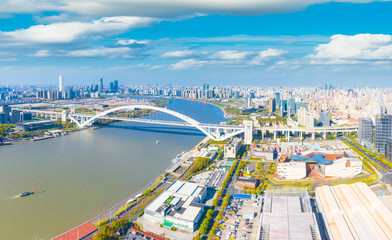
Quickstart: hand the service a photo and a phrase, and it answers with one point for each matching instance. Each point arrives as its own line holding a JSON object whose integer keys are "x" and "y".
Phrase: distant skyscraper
{"x": 365, "y": 130}
{"x": 100, "y": 85}
{"x": 115, "y": 87}
{"x": 111, "y": 86}
{"x": 60, "y": 83}
{"x": 291, "y": 105}
{"x": 277, "y": 98}
{"x": 272, "y": 105}
{"x": 249, "y": 102}
{"x": 383, "y": 131}
{"x": 206, "y": 87}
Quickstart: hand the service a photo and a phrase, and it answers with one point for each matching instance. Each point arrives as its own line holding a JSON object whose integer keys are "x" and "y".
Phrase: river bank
{"x": 111, "y": 213}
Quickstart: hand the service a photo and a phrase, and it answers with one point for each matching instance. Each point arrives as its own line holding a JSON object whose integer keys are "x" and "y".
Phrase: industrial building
{"x": 180, "y": 206}
{"x": 353, "y": 212}
{"x": 287, "y": 214}
{"x": 328, "y": 164}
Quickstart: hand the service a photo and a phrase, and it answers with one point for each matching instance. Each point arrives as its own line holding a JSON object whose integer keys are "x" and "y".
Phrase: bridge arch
{"x": 187, "y": 119}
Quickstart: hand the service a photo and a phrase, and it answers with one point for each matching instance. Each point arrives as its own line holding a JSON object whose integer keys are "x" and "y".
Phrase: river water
{"x": 80, "y": 175}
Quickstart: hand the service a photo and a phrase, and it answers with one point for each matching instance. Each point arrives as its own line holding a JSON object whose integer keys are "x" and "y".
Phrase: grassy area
{"x": 101, "y": 222}
{"x": 366, "y": 179}
{"x": 199, "y": 164}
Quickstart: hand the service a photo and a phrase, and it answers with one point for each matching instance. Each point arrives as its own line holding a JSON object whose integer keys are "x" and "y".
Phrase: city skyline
{"x": 255, "y": 43}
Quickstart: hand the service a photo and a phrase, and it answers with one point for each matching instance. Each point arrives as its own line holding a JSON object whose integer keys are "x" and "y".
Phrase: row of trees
{"x": 113, "y": 231}
{"x": 206, "y": 222}
{"x": 218, "y": 218}
{"x": 224, "y": 184}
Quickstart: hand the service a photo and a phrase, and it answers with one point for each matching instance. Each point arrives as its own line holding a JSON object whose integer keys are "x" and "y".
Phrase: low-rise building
{"x": 246, "y": 183}
{"x": 328, "y": 163}
{"x": 267, "y": 155}
{"x": 232, "y": 148}
{"x": 292, "y": 170}
{"x": 343, "y": 167}
{"x": 35, "y": 125}
{"x": 180, "y": 206}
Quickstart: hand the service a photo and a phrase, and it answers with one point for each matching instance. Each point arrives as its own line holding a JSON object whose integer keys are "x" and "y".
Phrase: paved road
{"x": 386, "y": 174}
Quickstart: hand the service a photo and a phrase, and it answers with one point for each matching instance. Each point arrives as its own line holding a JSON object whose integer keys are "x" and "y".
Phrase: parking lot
{"x": 237, "y": 222}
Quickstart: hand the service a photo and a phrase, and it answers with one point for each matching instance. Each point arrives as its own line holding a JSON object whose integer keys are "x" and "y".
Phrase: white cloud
{"x": 42, "y": 53}
{"x": 74, "y": 31}
{"x": 121, "y": 52}
{"x": 231, "y": 55}
{"x": 187, "y": 63}
{"x": 268, "y": 55}
{"x": 270, "y": 52}
{"x": 105, "y": 52}
{"x": 30, "y": 6}
{"x": 161, "y": 7}
{"x": 183, "y": 54}
{"x": 176, "y": 7}
{"x": 131, "y": 42}
{"x": 343, "y": 49}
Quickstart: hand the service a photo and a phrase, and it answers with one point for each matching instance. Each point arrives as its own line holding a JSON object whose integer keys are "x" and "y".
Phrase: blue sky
{"x": 220, "y": 42}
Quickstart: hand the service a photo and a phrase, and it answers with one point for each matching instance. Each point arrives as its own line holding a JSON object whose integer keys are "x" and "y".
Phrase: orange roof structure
{"x": 78, "y": 232}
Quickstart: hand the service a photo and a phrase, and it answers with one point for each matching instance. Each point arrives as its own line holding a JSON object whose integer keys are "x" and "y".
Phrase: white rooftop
{"x": 287, "y": 221}
{"x": 354, "y": 212}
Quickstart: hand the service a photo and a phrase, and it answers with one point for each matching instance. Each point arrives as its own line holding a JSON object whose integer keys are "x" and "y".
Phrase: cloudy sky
{"x": 191, "y": 42}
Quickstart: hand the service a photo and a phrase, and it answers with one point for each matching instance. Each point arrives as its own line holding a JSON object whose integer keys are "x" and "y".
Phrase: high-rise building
{"x": 291, "y": 106}
{"x": 383, "y": 131}
{"x": 115, "y": 87}
{"x": 365, "y": 130}
{"x": 388, "y": 149}
{"x": 100, "y": 85}
{"x": 277, "y": 98}
{"x": 248, "y": 135}
{"x": 248, "y": 102}
{"x": 325, "y": 119}
{"x": 5, "y": 109}
{"x": 272, "y": 105}
{"x": 306, "y": 118}
{"x": 111, "y": 87}
{"x": 60, "y": 83}
{"x": 206, "y": 87}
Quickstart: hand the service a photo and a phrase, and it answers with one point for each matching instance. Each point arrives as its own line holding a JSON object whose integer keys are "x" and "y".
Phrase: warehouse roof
{"x": 354, "y": 212}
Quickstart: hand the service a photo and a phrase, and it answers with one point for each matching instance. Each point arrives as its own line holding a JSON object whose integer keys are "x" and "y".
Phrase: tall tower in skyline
{"x": 100, "y": 89}
{"x": 61, "y": 83}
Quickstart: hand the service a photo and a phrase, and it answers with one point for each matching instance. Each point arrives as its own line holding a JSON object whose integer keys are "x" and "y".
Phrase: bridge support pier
{"x": 325, "y": 136}
{"x": 313, "y": 136}
{"x": 288, "y": 136}
{"x": 274, "y": 136}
